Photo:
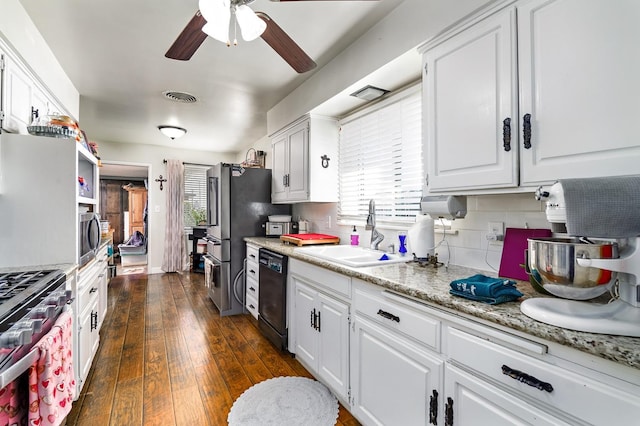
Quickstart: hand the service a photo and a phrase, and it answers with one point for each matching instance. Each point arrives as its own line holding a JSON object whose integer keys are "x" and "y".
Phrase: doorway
{"x": 124, "y": 205}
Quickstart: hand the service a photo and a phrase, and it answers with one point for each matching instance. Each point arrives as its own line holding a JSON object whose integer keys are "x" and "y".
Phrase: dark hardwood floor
{"x": 166, "y": 357}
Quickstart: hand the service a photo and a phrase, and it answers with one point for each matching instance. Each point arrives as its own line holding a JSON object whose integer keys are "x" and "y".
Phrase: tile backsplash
{"x": 468, "y": 247}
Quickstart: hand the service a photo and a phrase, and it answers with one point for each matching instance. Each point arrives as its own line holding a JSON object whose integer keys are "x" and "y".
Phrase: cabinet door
{"x": 333, "y": 359}
{"x": 17, "y": 98}
{"x": 279, "y": 170}
{"x": 103, "y": 289}
{"x": 392, "y": 380}
{"x": 579, "y": 67}
{"x": 88, "y": 339}
{"x": 470, "y": 89}
{"x": 298, "y": 179}
{"x": 306, "y": 336}
{"x": 476, "y": 402}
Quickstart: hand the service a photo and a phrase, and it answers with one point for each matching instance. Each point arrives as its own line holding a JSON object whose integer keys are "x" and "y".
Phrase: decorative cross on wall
{"x": 161, "y": 179}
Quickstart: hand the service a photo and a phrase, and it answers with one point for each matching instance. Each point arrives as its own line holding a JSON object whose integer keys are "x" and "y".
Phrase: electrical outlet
{"x": 327, "y": 222}
{"x": 496, "y": 231}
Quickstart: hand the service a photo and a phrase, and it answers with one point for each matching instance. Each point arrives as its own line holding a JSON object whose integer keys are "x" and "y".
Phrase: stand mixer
{"x": 566, "y": 267}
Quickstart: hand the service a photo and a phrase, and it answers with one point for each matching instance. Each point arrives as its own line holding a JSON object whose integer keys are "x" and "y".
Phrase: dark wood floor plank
{"x": 127, "y": 405}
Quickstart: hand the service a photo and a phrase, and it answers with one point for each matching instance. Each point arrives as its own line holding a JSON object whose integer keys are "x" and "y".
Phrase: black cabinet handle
{"x": 433, "y": 408}
{"x": 318, "y": 322}
{"x": 312, "y": 317}
{"x": 389, "y": 316}
{"x": 526, "y": 379}
{"x": 506, "y": 134}
{"x": 526, "y": 130}
{"x": 448, "y": 412}
{"x": 251, "y": 306}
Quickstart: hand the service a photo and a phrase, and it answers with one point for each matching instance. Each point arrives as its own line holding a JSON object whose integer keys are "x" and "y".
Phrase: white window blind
{"x": 381, "y": 159}
{"x": 195, "y": 194}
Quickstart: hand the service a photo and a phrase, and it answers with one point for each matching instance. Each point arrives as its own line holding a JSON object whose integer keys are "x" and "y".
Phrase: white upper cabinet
{"x": 538, "y": 91}
{"x": 22, "y": 97}
{"x": 305, "y": 161}
{"x": 579, "y": 65}
{"x": 470, "y": 89}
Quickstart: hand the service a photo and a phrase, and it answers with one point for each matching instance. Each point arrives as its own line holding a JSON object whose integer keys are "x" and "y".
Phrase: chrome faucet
{"x": 376, "y": 237}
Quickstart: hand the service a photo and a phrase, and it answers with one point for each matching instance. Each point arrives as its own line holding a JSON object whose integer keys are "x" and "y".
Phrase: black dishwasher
{"x": 272, "y": 297}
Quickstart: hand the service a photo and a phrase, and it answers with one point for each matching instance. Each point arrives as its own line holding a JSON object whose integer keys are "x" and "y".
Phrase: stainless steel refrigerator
{"x": 239, "y": 203}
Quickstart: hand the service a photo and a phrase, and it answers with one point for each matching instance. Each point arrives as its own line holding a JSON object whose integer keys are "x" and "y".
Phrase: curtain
{"x": 175, "y": 253}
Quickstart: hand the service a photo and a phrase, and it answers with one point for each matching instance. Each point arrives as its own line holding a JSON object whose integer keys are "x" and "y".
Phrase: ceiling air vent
{"x": 183, "y": 97}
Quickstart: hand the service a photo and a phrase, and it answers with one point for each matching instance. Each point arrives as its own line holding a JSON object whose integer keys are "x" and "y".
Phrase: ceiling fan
{"x": 213, "y": 18}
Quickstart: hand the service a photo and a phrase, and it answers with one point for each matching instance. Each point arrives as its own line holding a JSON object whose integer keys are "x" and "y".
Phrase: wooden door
{"x": 137, "y": 204}
{"x": 111, "y": 195}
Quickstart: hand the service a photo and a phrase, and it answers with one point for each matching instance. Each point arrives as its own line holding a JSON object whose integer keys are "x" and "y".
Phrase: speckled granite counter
{"x": 432, "y": 285}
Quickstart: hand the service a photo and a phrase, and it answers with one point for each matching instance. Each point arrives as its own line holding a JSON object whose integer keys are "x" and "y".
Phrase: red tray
{"x": 308, "y": 239}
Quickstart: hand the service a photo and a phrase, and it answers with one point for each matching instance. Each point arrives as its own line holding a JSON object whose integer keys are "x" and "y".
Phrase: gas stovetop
{"x": 22, "y": 291}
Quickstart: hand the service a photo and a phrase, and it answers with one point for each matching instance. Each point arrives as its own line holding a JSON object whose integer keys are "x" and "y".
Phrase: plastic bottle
{"x": 355, "y": 238}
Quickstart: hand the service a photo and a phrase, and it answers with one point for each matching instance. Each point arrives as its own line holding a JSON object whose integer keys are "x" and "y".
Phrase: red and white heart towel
{"x": 51, "y": 379}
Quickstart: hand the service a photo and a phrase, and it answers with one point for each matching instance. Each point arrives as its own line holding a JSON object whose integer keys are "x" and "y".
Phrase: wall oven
{"x": 88, "y": 237}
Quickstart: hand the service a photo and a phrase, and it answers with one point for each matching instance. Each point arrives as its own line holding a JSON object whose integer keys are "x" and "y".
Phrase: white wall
{"x": 153, "y": 155}
{"x": 406, "y": 27}
{"x": 18, "y": 30}
{"x": 468, "y": 248}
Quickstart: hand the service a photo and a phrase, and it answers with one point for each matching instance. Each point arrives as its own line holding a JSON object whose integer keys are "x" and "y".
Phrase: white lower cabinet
{"x": 88, "y": 319}
{"x": 319, "y": 335}
{"x": 394, "y": 382}
{"x": 412, "y": 364}
{"x": 252, "y": 280}
{"x": 472, "y": 401}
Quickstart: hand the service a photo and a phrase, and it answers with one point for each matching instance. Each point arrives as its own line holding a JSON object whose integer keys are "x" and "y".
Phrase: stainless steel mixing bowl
{"x": 552, "y": 263}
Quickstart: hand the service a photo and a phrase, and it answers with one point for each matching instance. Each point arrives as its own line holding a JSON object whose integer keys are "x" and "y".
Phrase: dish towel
{"x": 13, "y": 404}
{"x": 485, "y": 289}
{"x": 51, "y": 380}
{"x": 604, "y": 207}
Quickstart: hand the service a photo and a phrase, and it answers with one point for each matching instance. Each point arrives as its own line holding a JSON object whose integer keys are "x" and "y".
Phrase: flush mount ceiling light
{"x": 218, "y": 13}
{"x": 172, "y": 132}
{"x": 369, "y": 93}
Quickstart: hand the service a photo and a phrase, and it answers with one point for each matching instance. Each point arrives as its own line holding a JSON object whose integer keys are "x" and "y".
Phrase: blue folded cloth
{"x": 485, "y": 289}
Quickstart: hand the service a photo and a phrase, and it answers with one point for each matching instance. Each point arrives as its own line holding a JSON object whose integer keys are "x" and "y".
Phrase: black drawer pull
{"x": 526, "y": 130}
{"x": 506, "y": 134}
{"x": 433, "y": 408}
{"x": 387, "y": 315}
{"x": 526, "y": 379}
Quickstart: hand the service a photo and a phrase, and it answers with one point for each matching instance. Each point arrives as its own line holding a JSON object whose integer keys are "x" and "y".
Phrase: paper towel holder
{"x": 444, "y": 206}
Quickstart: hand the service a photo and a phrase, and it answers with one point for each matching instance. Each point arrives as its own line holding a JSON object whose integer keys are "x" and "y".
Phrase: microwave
{"x": 88, "y": 237}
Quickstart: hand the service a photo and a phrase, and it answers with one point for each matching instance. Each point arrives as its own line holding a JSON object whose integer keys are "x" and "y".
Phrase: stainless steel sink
{"x": 353, "y": 256}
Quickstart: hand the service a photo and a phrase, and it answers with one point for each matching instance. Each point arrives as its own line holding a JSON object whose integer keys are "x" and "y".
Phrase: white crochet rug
{"x": 285, "y": 401}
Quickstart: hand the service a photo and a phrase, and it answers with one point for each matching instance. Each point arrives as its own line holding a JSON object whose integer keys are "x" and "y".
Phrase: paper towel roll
{"x": 421, "y": 238}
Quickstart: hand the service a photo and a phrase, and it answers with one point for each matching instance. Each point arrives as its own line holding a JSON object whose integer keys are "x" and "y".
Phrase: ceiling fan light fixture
{"x": 251, "y": 26}
{"x": 172, "y": 132}
{"x": 217, "y": 13}
{"x": 369, "y": 93}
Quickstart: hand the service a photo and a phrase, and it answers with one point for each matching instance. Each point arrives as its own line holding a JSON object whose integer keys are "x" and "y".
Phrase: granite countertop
{"x": 432, "y": 285}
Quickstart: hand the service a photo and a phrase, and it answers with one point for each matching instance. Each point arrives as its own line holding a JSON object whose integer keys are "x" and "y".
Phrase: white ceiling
{"x": 113, "y": 51}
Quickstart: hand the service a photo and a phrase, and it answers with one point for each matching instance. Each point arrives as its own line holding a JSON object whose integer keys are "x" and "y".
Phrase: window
{"x": 195, "y": 195}
{"x": 381, "y": 159}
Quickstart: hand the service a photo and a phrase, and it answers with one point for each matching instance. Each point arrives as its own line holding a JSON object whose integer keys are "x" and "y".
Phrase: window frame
{"x": 387, "y": 214}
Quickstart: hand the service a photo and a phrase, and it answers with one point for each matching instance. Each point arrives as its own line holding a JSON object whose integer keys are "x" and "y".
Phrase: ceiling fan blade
{"x": 189, "y": 39}
{"x": 285, "y": 46}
